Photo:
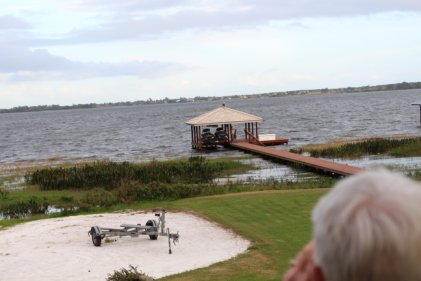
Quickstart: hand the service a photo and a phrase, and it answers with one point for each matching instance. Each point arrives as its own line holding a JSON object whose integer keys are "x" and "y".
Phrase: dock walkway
{"x": 316, "y": 163}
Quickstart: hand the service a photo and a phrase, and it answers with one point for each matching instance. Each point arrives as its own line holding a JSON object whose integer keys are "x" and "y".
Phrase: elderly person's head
{"x": 368, "y": 227}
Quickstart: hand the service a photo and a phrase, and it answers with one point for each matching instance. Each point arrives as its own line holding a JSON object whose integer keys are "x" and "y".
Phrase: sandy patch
{"x": 60, "y": 249}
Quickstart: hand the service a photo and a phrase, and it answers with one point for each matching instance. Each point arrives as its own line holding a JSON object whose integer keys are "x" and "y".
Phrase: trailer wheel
{"x": 96, "y": 237}
{"x": 154, "y": 224}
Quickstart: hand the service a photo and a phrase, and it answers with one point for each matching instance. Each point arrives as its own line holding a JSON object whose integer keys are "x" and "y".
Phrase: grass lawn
{"x": 277, "y": 223}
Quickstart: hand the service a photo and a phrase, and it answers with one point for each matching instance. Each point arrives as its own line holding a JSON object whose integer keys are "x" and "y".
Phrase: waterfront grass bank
{"x": 396, "y": 147}
{"x": 82, "y": 188}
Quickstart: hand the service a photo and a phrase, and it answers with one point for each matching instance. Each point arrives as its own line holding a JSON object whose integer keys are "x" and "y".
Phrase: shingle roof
{"x": 223, "y": 115}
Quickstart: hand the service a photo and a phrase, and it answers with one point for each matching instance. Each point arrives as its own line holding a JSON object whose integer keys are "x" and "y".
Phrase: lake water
{"x": 142, "y": 133}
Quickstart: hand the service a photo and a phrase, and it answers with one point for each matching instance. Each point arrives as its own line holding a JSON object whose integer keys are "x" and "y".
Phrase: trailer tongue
{"x": 153, "y": 228}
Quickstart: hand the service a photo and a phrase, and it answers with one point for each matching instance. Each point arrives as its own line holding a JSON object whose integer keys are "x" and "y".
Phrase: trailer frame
{"x": 153, "y": 228}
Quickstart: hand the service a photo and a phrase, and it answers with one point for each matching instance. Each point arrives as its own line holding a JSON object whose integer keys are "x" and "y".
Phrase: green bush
{"x": 22, "y": 209}
{"x": 99, "y": 197}
{"x": 67, "y": 199}
{"x": 131, "y": 274}
{"x": 4, "y": 193}
{"x": 128, "y": 191}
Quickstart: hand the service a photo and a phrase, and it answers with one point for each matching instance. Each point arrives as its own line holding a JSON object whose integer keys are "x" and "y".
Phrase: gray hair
{"x": 368, "y": 228}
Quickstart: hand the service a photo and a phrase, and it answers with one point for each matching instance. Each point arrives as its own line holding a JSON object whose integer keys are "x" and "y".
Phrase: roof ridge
{"x": 221, "y": 115}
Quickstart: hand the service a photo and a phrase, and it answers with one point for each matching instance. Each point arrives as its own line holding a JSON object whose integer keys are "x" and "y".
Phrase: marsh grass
{"x": 22, "y": 209}
{"x": 110, "y": 174}
{"x": 409, "y": 146}
{"x": 105, "y": 184}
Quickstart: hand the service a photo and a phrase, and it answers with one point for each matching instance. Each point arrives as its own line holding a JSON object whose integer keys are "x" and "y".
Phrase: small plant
{"x": 67, "y": 199}
{"x": 108, "y": 240}
{"x": 3, "y": 193}
{"x": 131, "y": 274}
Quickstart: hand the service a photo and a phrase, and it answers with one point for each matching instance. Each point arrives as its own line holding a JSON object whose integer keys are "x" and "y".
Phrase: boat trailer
{"x": 153, "y": 228}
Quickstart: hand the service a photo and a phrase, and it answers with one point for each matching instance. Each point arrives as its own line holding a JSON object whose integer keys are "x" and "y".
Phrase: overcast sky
{"x": 81, "y": 51}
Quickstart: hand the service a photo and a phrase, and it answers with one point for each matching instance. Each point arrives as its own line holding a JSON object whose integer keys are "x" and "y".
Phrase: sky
{"x": 96, "y": 51}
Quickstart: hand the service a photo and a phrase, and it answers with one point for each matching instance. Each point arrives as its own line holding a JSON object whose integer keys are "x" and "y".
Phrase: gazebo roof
{"x": 223, "y": 115}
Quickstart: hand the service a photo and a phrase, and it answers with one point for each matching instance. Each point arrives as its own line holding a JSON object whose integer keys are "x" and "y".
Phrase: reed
{"x": 389, "y": 146}
{"x": 110, "y": 174}
{"x": 22, "y": 209}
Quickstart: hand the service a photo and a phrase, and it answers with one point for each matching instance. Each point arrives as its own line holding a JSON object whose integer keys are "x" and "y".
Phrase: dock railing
{"x": 252, "y": 136}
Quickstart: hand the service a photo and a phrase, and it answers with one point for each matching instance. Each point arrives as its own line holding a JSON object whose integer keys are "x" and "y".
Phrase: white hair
{"x": 368, "y": 228}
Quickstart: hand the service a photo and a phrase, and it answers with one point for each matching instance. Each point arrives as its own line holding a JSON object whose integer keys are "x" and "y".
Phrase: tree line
{"x": 386, "y": 87}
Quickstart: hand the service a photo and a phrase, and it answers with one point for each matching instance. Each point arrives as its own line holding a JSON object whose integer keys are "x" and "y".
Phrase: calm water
{"x": 158, "y": 131}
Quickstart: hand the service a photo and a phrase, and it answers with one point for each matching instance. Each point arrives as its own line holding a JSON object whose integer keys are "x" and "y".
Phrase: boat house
{"x": 218, "y": 127}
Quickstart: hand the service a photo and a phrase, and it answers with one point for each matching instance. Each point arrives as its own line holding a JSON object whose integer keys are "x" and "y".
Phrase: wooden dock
{"x": 316, "y": 163}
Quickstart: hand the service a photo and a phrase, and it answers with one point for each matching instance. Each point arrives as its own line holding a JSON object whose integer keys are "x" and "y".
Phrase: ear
{"x": 318, "y": 274}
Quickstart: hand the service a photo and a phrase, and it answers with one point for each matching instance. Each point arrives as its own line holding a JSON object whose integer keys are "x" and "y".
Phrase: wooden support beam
{"x": 257, "y": 131}
{"x": 191, "y": 130}
{"x": 245, "y": 131}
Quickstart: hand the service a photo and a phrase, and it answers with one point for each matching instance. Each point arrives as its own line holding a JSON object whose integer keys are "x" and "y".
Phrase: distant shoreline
{"x": 386, "y": 87}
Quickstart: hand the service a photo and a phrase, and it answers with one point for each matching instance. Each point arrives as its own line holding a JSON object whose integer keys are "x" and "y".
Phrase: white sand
{"x": 60, "y": 249}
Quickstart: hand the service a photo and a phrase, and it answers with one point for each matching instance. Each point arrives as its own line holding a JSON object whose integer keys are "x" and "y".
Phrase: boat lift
{"x": 153, "y": 228}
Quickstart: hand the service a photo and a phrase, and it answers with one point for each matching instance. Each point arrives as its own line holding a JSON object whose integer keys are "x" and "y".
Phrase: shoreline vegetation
{"x": 101, "y": 185}
{"x": 401, "y": 146}
{"x": 376, "y": 88}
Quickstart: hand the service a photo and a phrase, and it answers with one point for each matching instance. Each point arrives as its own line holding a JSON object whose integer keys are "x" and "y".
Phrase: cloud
{"x": 12, "y": 22}
{"x": 283, "y": 9}
{"x": 16, "y": 58}
{"x": 145, "y": 19}
{"x": 19, "y": 64}
{"x": 139, "y": 20}
{"x": 127, "y": 6}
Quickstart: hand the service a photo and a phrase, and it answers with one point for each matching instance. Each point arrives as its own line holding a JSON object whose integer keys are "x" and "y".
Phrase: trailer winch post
{"x": 169, "y": 241}
{"x": 162, "y": 219}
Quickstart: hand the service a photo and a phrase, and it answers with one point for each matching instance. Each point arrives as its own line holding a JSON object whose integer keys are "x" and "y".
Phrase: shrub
{"x": 99, "y": 197}
{"x": 131, "y": 274}
{"x": 3, "y": 193}
{"x": 22, "y": 209}
{"x": 67, "y": 199}
{"x": 127, "y": 191}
